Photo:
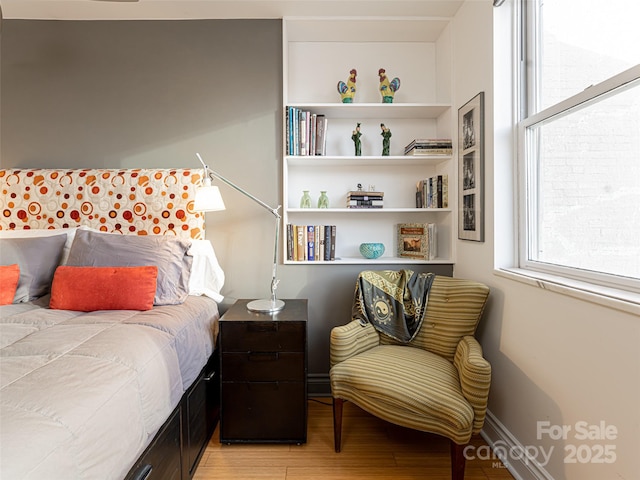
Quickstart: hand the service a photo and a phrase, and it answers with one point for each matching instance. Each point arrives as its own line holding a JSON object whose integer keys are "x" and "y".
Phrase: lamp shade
{"x": 208, "y": 199}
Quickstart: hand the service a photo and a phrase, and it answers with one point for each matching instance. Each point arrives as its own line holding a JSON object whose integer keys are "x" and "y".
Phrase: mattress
{"x": 83, "y": 394}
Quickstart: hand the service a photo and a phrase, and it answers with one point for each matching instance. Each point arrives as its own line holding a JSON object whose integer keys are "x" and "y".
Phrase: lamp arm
{"x": 274, "y": 211}
{"x": 210, "y": 173}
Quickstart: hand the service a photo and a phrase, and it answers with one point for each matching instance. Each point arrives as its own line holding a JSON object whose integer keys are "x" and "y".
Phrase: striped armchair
{"x": 438, "y": 382}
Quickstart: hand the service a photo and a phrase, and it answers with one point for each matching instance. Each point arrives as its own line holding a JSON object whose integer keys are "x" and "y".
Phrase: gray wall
{"x": 153, "y": 93}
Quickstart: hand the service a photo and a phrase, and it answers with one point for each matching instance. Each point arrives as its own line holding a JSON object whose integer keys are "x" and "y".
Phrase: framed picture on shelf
{"x": 471, "y": 170}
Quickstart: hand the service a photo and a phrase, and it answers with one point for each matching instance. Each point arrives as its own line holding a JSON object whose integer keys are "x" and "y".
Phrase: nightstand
{"x": 263, "y": 374}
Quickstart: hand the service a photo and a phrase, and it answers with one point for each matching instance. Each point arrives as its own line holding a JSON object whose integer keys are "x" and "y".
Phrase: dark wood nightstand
{"x": 263, "y": 374}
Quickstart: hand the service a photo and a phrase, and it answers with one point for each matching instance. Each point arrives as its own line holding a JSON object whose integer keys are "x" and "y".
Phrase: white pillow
{"x": 207, "y": 277}
{"x": 44, "y": 232}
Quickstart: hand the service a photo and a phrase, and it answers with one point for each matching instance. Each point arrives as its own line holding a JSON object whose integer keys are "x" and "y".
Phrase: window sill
{"x": 609, "y": 297}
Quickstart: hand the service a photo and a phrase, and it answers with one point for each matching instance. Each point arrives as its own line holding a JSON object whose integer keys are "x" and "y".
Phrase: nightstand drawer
{"x": 268, "y": 336}
{"x": 263, "y": 366}
{"x": 263, "y": 412}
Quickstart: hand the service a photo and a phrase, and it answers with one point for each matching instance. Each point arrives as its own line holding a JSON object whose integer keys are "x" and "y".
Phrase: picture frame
{"x": 471, "y": 170}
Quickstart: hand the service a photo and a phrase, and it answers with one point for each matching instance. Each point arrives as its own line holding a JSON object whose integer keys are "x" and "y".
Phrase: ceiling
{"x": 203, "y": 9}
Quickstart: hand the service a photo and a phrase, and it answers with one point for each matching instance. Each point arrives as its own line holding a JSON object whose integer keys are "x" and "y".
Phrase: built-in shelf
{"x": 319, "y": 52}
{"x": 376, "y": 110}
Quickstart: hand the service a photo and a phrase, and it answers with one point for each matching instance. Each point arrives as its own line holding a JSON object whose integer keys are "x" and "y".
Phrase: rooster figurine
{"x": 348, "y": 90}
{"x": 387, "y": 88}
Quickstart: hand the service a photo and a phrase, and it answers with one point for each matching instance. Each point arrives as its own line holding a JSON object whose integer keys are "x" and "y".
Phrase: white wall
{"x": 555, "y": 358}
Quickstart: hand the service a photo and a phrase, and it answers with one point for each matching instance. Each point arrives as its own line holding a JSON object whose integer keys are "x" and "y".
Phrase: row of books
{"x": 312, "y": 243}
{"x": 429, "y": 146}
{"x": 363, "y": 199}
{"x": 306, "y": 132}
{"x": 417, "y": 240}
{"x": 433, "y": 192}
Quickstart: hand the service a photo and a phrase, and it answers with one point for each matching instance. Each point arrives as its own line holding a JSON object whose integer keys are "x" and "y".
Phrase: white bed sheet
{"x": 83, "y": 394}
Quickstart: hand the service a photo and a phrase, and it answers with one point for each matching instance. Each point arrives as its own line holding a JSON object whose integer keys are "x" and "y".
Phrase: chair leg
{"x": 337, "y": 423}
{"x": 457, "y": 461}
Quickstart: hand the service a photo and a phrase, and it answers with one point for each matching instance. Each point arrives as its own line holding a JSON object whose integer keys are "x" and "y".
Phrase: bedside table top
{"x": 294, "y": 310}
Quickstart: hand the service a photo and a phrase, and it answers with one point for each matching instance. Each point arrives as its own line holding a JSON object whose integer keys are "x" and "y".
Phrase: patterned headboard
{"x": 129, "y": 201}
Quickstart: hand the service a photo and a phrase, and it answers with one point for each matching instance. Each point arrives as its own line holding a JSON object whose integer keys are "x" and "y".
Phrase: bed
{"x": 107, "y": 334}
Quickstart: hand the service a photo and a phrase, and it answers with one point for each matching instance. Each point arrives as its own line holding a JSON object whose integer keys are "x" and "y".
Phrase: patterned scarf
{"x": 394, "y": 302}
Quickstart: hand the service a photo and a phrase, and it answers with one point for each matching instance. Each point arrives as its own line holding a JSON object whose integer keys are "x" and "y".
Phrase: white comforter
{"x": 83, "y": 394}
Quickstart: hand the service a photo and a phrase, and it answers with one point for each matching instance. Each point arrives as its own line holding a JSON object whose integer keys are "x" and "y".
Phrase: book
{"x": 287, "y": 130}
{"x": 416, "y": 240}
{"x": 363, "y": 195}
{"x": 440, "y": 142}
{"x": 445, "y": 191}
{"x": 327, "y": 243}
{"x": 301, "y": 243}
{"x": 296, "y": 131}
{"x": 365, "y": 203}
{"x": 433, "y": 192}
{"x": 429, "y": 151}
{"x": 312, "y": 134}
{"x": 320, "y": 242}
{"x": 303, "y": 133}
{"x": 311, "y": 245}
{"x": 316, "y": 241}
{"x": 332, "y": 255}
{"x": 321, "y": 130}
{"x": 290, "y": 242}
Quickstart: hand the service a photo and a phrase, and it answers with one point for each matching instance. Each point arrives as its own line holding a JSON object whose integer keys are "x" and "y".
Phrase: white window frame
{"x": 545, "y": 275}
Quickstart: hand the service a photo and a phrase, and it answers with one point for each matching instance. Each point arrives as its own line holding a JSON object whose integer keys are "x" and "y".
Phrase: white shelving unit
{"x": 318, "y": 52}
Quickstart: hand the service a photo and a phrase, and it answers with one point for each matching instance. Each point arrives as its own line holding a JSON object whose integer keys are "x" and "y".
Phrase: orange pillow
{"x": 86, "y": 289}
{"x": 9, "y": 276}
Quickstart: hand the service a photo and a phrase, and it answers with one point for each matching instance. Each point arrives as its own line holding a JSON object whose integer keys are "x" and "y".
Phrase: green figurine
{"x": 386, "y": 135}
{"x": 356, "y": 140}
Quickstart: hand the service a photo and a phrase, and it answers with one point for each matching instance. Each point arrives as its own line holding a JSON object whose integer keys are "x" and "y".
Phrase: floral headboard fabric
{"x": 129, "y": 201}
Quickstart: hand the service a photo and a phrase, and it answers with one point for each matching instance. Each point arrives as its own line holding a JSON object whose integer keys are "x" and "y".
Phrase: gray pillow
{"x": 38, "y": 258}
{"x": 169, "y": 254}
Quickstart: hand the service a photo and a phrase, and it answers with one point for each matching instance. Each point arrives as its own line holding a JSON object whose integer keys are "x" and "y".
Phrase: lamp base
{"x": 265, "y": 306}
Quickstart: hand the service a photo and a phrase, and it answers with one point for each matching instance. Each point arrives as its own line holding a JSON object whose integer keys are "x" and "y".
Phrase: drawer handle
{"x": 263, "y": 327}
{"x": 263, "y": 386}
{"x": 144, "y": 473}
{"x": 263, "y": 356}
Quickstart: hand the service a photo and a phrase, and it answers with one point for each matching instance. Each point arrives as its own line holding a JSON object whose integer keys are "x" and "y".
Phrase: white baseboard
{"x": 502, "y": 440}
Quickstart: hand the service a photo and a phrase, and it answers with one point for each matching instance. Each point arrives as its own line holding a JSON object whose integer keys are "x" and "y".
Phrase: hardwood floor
{"x": 371, "y": 450}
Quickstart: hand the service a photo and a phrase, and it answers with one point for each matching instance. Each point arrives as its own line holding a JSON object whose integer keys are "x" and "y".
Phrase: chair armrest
{"x": 351, "y": 339}
{"x": 475, "y": 377}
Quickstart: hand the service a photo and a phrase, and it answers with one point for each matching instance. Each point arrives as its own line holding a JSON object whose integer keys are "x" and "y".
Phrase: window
{"x": 579, "y": 141}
